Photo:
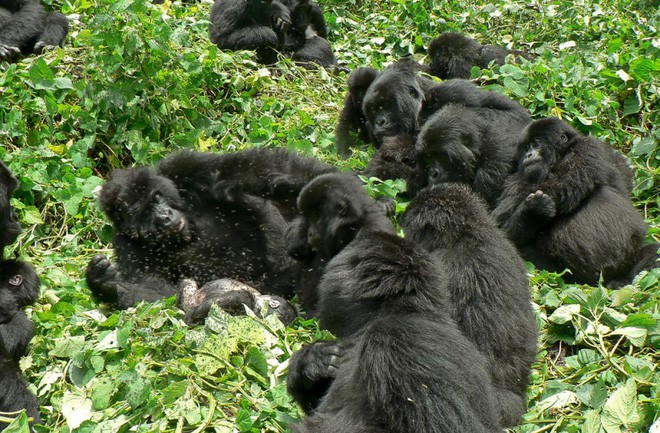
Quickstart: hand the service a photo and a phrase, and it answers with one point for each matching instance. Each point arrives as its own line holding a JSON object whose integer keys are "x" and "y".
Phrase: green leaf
{"x": 591, "y": 422}
{"x": 41, "y": 75}
{"x": 634, "y": 334}
{"x": 620, "y": 410}
{"x": 67, "y": 347}
{"x": 76, "y": 408}
{"x": 564, "y": 314}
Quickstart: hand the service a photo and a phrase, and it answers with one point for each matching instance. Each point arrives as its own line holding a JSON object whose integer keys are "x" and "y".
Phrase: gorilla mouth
{"x": 181, "y": 225}
{"x": 531, "y": 160}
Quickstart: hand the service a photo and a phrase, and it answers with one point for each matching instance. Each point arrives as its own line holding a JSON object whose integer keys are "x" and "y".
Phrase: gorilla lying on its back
{"x": 203, "y": 217}
{"x": 400, "y": 364}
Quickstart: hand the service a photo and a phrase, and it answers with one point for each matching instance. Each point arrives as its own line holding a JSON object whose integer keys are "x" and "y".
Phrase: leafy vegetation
{"x": 136, "y": 81}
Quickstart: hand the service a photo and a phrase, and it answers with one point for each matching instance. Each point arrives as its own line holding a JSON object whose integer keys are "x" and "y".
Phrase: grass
{"x": 136, "y": 81}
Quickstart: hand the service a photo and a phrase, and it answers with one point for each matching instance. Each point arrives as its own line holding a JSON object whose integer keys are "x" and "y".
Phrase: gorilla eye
{"x": 16, "y": 280}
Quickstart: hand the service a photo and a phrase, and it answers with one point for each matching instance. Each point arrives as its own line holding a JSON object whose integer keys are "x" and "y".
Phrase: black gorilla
{"x": 307, "y": 245}
{"x": 567, "y": 206}
{"x": 258, "y": 25}
{"x": 306, "y": 38}
{"x": 10, "y": 226}
{"x": 487, "y": 283}
{"x": 19, "y": 287}
{"x": 232, "y": 296}
{"x": 26, "y": 28}
{"x": 204, "y": 217}
{"x": 471, "y": 145}
{"x": 400, "y": 363}
{"x": 453, "y": 55}
{"x": 395, "y": 159}
{"x": 351, "y": 118}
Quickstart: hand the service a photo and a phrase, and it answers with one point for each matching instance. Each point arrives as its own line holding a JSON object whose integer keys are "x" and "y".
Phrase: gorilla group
{"x": 202, "y": 217}
{"x": 26, "y": 28}
{"x": 296, "y": 28}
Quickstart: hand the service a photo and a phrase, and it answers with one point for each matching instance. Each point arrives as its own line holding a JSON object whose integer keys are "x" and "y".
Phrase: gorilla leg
{"x": 56, "y": 29}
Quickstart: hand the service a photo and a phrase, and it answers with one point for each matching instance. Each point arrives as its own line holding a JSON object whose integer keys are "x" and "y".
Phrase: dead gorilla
{"x": 453, "y": 55}
{"x": 232, "y": 296}
{"x": 567, "y": 206}
{"x": 487, "y": 283}
{"x": 19, "y": 287}
{"x": 400, "y": 363}
{"x": 26, "y": 28}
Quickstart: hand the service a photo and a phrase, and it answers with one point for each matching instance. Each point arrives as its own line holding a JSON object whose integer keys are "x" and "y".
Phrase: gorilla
{"x": 487, "y": 284}
{"x": 400, "y": 362}
{"x": 567, "y": 206}
{"x": 396, "y": 159}
{"x": 306, "y": 244}
{"x": 471, "y": 145}
{"x": 306, "y": 38}
{"x": 26, "y": 28}
{"x": 453, "y": 55}
{"x": 204, "y": 217}
{"x": 258, "y": 25}
{"x": 10, "y": 226}
{"x": 232, "y": 296}
{"x": 351, "y": 118}
{"x": 19, "y": 287}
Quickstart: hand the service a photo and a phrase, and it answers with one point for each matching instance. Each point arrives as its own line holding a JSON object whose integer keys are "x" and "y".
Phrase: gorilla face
{"x": 19, "y": 287}
{"x": 146, "y": 207}
{"x": 544, "y": 143}
{"x": 393, "y": 102}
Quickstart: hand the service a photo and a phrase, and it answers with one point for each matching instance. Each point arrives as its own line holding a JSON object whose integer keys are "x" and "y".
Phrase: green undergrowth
{"x": 136, "y": 81}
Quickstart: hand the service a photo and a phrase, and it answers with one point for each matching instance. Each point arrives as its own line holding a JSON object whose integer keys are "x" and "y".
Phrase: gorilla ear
{"x": 342, "y": 208}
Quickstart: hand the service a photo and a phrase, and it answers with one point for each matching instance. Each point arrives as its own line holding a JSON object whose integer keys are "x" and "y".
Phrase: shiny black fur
{"x": 19, "y": 287}
{"x": 395, "y": 159}
{"x": 487, "y": 283}
{"x": 257, "y": 25}
{"x": 567, "y": 206}
{"x": 204, "y": 217}
{"x": 453, "y": 55}
{"x": 26, "y": 28}
{"x": 400, "y": 364}
{"x": 306, "y": 38}
{"x": 10, "y": 226}
{"x": 475, "y": 145}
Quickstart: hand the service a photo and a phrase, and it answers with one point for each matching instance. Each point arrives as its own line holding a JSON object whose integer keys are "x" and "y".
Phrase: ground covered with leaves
{"x": 136, "y": 81}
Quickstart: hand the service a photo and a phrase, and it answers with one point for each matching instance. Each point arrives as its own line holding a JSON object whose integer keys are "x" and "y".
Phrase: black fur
{"x": 567, "y": 206}
{"x": 306, "y": 38}
{"x": 471, "y": 145}
{"x": 352, "y": 119}
{"x": 400, "y": 363}
{"x": 396, "y": 159}
{"x": 10, "y": 226}
{"x": 314, "y": 238}
{"x": 257, "y": 25}
{"x": 26, "y": 28}
{"x": 487, "y": 283}
{"x": 19, "y": 287}
{"x": 453, "y": 55}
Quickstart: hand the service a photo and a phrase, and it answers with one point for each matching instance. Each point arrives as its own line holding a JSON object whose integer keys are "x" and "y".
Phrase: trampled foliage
{"x": 136, "y": 81}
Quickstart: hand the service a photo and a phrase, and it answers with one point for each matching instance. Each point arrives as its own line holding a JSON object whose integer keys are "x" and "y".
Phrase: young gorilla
{"x": 360, "y": 214}
{"x": 10, "y": 226}
{"x": 471, "y": 145}
{"x": 453, "y": 55}
{"x": 306, "y": 38}
{"x": 487, "y": 283}
{"x": 258, "y": 25}
{"x": 396, "y": 159}
{"x": 400, "y": 364}
{"x": 26, "y": 28}
{"x": 567, "y": 206}
{"x": 232, "y": 296}
{"x": 352, "y": 118}
{"x": 19, "y": 287}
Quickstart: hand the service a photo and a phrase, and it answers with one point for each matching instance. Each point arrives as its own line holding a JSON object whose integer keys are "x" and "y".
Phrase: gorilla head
{"x": 393, "y": 101}
{"x": 146, "y": 207}
{"x": 453, "y": 55}
{"x": 19, "y": 287}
